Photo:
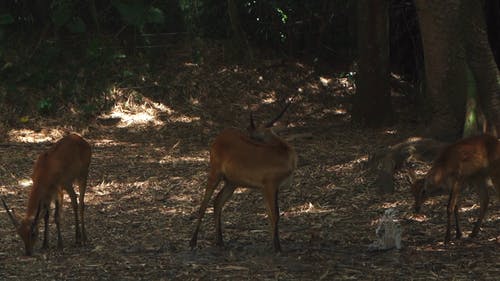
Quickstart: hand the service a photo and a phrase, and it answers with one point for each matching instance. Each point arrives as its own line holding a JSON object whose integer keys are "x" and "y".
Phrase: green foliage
{"x": 63, "y": 14}
{"x": 138, "y": 13}
{"x": 45, "y": 106}
{"x": 6, "y": 19}
{"x": 76, "y": 25}
{"x": 55, "y": 52}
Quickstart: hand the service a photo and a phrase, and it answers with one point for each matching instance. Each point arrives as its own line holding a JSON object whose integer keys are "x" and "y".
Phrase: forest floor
{"x": 149, "y": 168}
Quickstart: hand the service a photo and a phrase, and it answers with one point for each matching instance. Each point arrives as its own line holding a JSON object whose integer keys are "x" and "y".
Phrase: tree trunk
{"x": 372, "y": 104}
{"x": 492, "y": 10}
{"x": 455, "y": 41}
{"x": 93, "y": 16}
{"x": 482, "y": 63}
{"x": 439, "y": 27}
{"x": 241, "y": 48}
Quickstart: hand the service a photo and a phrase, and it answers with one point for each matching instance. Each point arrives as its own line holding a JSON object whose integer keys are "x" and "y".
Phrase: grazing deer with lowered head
{"x": 55, "y": 170}
{"x": 258, "y": 159}
{"x": 471, "y": 160}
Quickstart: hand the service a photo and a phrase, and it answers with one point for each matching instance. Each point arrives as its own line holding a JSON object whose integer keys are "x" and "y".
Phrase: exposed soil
{"x": 148, "y": 171}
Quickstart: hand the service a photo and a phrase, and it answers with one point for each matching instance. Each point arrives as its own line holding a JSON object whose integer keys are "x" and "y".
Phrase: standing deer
{"x": 55, "y": 170}
{"x": 471, "y": 160}
{"x": 257, "y": 159}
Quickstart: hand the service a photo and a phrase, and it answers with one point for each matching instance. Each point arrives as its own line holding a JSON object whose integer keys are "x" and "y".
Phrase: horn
{"x": 12, "y": 217}
{"x": 271, "y": 123}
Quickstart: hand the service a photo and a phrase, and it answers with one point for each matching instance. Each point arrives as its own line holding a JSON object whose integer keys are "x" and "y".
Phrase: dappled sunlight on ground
{"x": 31, "y": 136}
{"x": 133, "y": 109}
{"x": 145, "y": 187}
{"x": 137, "y": 110}
{"x": 308, "y": 208}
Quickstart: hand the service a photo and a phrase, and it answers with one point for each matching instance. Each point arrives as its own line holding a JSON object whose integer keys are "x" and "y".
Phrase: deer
{"x": 473, "y": 160}
{"x": 257, "y": 159}
{"x": 55, "y": 170}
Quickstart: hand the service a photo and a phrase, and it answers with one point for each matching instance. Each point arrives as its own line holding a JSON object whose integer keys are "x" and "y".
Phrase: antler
{"x": 271, "y": 123}
{"x": 12, "y": 217}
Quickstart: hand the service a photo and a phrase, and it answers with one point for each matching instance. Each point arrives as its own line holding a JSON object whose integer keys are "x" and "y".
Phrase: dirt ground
{"x": 149, "y": 167}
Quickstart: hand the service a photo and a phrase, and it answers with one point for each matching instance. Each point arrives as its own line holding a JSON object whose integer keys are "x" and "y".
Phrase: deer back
{"x": 245, "y": 160}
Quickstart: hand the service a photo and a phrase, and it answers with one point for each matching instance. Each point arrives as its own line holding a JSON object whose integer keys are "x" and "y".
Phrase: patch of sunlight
{"x": 241, "y": 190}
{"x": 181, "y": 198}
{"x": 388, "y": 205}
{"x": 146, "y": 184}
{"x": 105, "y": 188}
{"x": 174, "y": 211}
{"x": 468, "y": 209}
{"x": 494, "y": 217}
{"x": 25, "y": 182}
{"x": 30, "y": 136}
{"x": 493, "y": 239}
{"x": 6, "y": 189}
{"x": 340, "y": 111}
{"x": 308, "y": 208}
{"x": 335, "y": 111}
{"x": 391, "y": 132}
{"x": 314, "y": 88}
{"x": 137, "y": 110}
{"x": 140, "y": 118}
{"x": 182, "y": 159}
{"x": 414, "y": 139}
{"x": 325, "y": 81}
{"x": 184, "y": 119}
{"x": 346, "y": 83}
{"x": 194, "y": 101}
{"x": 270, "y": 98}
{"x": 104, "y": 142}
{"x": 418, "y": 217}
{"x": 351, "y": 165}
{"x": 190, "y": 64}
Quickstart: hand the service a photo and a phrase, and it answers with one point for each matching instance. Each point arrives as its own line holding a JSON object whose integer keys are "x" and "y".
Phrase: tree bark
{"x": 439, "y": 27}
{"x": 372, "y": 104}
{"x": 455, "y": 41}
{"x": 241, "y": 47}
{"x": 482, "y": 63}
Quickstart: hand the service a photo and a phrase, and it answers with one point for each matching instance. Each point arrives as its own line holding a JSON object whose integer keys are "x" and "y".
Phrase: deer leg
{"x": 484, "y": 201}
{"x": 82, "y": 187}
{"x": 221, "y": 199}
{"x": 45, "y": 244}
{"x": 57, "y": 219}
{"x": 72, "y": 195}
{"x": 213, "y": 180}
{"x": 271, "y": 200}
{"x": 452, "y": 210}
{"x": 458, "y": 231}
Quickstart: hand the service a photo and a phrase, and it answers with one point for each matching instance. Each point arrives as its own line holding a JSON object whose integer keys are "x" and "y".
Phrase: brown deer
{"x": 55, "y": 170}
{"x": 472, "y": 160}
{"x": 258, "y": 159}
